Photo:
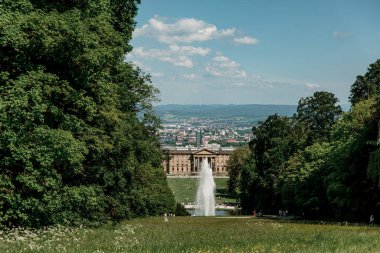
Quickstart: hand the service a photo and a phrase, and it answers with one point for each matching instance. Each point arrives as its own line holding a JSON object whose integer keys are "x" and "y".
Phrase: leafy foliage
{"x": 368, "y": 85}
{"x": 180, "y": 210}
{"x": 77, "y": 134}
{"x": 350, "y": 190}
{"x": 273, "y": 144}
{"x": 304, "y": 190}
{"x": 321, "y": 163}
{"x": 318, "y": 113}
{"x": 249, "y": 186}
{"x": 236, "y": 160}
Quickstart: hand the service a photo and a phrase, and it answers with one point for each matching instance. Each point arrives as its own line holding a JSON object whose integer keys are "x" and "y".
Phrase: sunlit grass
{"x": 195, "y": 234}
{"x": 185, "y": 189}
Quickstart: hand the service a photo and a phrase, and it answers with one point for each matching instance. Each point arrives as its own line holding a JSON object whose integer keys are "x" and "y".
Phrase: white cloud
{"x": 229, "y": 64}
{"x": 184, "y": 30}
{"x": 246, "y": 41}
{"x": 172, "y": 50}
{"x": 338, "y": 34}
{"x": 222, "y": 66}
{"x": 224, "y": 62}
{"x": 180, "y": 61}
{"x": 220, "y": 58}
{"x": 189, "y": 50}
{"x": 312, "y": 85}
{"x": 176, "y": 55}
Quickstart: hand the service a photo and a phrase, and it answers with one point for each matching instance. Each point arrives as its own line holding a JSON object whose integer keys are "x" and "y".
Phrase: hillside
{"x": 251, "y": 112}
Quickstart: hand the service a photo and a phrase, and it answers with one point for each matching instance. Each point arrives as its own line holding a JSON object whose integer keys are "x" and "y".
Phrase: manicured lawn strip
{"x": 197, "y": 234}
{"x": 185, "y": 189}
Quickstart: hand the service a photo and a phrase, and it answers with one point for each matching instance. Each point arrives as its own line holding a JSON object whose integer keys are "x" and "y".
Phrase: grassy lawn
{"x": 185, "y": 190}
{"x": 196, "y": 234}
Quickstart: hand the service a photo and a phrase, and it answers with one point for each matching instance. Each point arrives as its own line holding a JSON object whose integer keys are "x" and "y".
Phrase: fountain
{"x": 205, "y": 202}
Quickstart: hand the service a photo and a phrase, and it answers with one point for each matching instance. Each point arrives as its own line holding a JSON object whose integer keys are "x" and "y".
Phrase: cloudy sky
{"x": 253, "y": 51}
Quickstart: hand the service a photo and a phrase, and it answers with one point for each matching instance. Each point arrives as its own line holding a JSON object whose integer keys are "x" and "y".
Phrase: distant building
{"x": 198, "y": 138}
{"x": 187, "y": 161}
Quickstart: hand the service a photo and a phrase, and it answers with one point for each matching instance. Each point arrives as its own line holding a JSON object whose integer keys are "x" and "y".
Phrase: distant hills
{"x": 251, "y": 112}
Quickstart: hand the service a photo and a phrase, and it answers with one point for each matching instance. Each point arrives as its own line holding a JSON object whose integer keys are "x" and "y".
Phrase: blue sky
{"x": 254, "y": 52}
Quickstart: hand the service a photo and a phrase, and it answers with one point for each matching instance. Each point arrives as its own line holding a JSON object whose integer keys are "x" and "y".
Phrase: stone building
{"x": 187, "y": 161}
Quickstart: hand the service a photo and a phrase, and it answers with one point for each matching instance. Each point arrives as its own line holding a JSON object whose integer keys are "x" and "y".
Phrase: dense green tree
{"x": 318, "y": 113}
{"x": 181, "y": 210}
{"x": 366, "y": 86}
{"x": 250, "y": 185}
{"x": 352, "y": 192}
{"x": 273, "y": 143}
{"x": 374, "y": 166}
{"x": 321, "y": 163}
{"x": 77, "y": 134}
{"x": 237, "y": 159}
{"x": 304, "y": 189}
{"x": 374, "y": 161}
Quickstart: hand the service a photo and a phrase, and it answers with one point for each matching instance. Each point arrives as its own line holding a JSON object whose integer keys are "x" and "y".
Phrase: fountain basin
{"x": 220, "y": 210}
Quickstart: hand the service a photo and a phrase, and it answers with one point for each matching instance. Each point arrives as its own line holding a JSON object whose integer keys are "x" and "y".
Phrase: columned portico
{"x": 210, "y": 160}
{"x": 189, "y": 161}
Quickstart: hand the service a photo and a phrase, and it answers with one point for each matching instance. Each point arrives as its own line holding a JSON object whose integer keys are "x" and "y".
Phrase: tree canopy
{"x": 318, "y": 113}
{"x": 272, "y": 145}
{"x": 366, "y": 85}
{"x": 235, "y": 161}
{"x": 321, "y": 163}
{"x": 77, "y": 134}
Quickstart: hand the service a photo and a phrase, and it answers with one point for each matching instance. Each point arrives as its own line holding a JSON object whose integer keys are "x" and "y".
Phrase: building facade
{"x": 187, "y": 161}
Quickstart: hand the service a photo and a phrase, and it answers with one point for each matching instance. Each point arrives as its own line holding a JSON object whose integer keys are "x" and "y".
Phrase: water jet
{"x": 205, "y": 201}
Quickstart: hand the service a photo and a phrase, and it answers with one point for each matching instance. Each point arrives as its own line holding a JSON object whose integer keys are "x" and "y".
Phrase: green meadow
{"x": 195, "y": 234}
{"x": 185, "y": 189}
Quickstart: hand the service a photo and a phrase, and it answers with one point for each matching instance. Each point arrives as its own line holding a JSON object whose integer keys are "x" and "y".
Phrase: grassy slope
{"x": 197, "y": 234}
{"x": 185, "y": 189}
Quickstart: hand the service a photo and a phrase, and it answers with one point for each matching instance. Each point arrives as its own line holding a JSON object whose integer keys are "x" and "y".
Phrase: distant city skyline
{"x": 254, "y": 52}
